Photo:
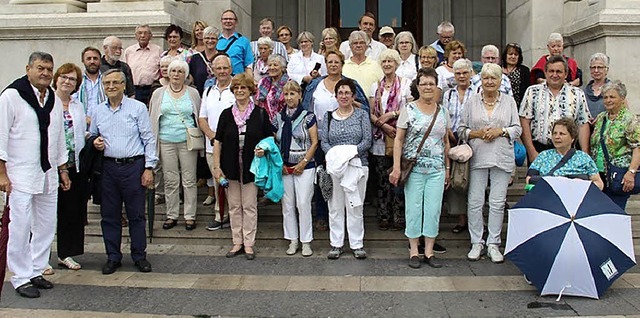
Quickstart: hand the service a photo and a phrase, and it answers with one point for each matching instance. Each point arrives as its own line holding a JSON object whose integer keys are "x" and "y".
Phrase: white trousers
{"x": 355, "y": 216}
{"x": 478, "y": 179}
{"x": 31, "y": 232}
{"x": 298, "y": 192}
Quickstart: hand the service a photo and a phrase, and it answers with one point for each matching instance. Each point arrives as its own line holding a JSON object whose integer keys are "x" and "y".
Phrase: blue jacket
{"x": 307, "y": 98}
{"x": 268, "y": 170}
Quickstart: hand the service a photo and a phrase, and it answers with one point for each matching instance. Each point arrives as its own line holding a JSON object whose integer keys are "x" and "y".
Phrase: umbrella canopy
{"x": 151, "y": 210}
{"x": 569, "y": 238}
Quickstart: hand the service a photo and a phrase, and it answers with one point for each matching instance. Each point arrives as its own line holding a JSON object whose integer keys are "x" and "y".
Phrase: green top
{"x": 622, "y": 135}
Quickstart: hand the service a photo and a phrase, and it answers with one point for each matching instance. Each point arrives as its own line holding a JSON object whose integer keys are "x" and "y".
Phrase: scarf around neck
{"x": 287, "y": 130}
{"x": 270, "y": 95}
{"x": 241, "y": 118}
{"x": 393, "y": 103}
{"x": 25, "y": 90}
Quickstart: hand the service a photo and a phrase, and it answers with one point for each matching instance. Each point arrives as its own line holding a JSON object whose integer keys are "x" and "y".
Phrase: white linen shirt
{"x": 79, "y": 127}
{"x": 20, "y": 144}
{"x": 407, "y": 68}
{"x": 214, "y": 101}
{"x": 300, "y": 66}
{"x": 373, "y": 50}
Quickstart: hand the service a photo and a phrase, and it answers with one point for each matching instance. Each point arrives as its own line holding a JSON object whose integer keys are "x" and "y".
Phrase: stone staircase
{"x": 270, "y": 226}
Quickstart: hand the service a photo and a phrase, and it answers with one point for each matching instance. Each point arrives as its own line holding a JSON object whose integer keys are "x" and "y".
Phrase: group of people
{"x": 130, "y": 120}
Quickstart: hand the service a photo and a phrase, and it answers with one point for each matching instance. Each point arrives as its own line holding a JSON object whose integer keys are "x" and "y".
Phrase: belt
{"x": 142, "y": 86}
{"x": 124, "y": 160}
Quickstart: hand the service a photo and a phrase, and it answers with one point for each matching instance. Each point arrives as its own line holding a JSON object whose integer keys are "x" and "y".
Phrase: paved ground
{"x": 199, "y": 281}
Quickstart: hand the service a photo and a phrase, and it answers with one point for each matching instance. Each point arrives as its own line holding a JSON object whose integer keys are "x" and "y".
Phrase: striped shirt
{"x": 126, "y": 130}
{"x": 451, "y": 101}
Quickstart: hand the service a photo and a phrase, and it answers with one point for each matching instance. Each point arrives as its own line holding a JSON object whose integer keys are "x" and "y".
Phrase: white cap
{"x": 386, "y": 30}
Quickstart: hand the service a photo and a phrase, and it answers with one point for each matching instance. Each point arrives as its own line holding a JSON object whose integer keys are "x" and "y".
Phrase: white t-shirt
{"x": 446, "y": 79}
{"x": 323, "y": 101}
{"x": 214, "y": 101}
{"x": 407, "y": 68}
{"x": 300, "y": 66}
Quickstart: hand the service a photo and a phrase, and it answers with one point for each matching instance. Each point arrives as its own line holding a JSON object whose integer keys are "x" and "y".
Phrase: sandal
{"x": 48, "y": 270}
{"x": 69, "y": 263}
{"x": 459, "y": 228}
{"x": 169, "y": 223}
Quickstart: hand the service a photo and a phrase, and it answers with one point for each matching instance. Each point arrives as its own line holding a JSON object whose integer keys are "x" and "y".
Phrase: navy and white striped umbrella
{"x": 569, "y": 238}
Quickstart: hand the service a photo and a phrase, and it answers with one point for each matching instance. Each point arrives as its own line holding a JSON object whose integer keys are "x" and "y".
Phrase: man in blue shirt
{"x": 122, "y": 129}
{"x": 235, "y": 45}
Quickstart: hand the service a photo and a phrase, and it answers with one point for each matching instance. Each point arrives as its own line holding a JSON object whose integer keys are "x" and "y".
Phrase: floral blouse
{"x": 431, "y": 156}
{"x": 622, "y": 135}
{"x": 580, "y": 163}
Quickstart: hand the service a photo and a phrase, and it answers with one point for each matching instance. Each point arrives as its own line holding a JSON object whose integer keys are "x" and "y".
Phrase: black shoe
{"x": 110, "y": 267}
{"x": 459, "y": 228}
{"x": 169, "y": 224}
{"x": 414, "y": 261}
{"x": 143, "y": 265}
{"x": 439, "y": 249}
{"x": 190, "y": 226}
{"x": 41, "y": 283}
{"x": 431, "y": 262}
{"x": 250, "y": 256}
{"x": 28, "y": 290}
{"x": 231, "y": 254}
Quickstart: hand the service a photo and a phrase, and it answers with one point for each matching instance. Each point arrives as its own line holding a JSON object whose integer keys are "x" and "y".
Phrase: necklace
{"x": 490, "y": 105}
{"x": 344, "y": 115}
{"x": 175, "y": 91}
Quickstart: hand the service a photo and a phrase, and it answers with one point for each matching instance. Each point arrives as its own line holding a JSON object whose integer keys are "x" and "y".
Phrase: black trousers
{"x": 72, "y": 214}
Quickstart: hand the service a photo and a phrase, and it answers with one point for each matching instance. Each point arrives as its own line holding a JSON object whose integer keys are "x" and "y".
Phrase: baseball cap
{"x": 386, "y": 30}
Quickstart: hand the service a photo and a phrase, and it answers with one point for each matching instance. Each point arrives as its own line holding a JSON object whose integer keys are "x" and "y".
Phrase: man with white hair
{"x": 445, "y": 32}
{"x": 144, "y": 60}
{"x": 491, "y": 54}
{"x": 112, "y": 47}
{"x": 365, "y": 70}
{"x": 373, "y": 48}
{"x": 266, "y": 30}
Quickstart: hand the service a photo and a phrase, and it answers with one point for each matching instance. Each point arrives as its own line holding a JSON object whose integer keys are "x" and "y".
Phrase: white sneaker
{"x": 293, "y": 248}
{"x": 306, "y": 249}
{"x": 476, "y": 251}
{"x": 493, "y": 251}
{"x": 209, "y": 200}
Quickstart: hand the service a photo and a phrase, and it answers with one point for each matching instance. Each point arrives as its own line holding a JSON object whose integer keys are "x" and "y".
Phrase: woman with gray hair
{"x": 265, "y": 48}
{"x": 174, "y": 108}
{"x": 598, "y": 68}
{"x": 619, "y": 130}
{"x": 490, "y": 125}
{"x": 269, "y": 94}
{"x": 388, "y": 97}
{"x": 455, "y": 101}
{"x": 305, "y": 65}
{"x": 555, "y": 45}
{"x": 200, "y": 64}
{"x": 406, "y": 45}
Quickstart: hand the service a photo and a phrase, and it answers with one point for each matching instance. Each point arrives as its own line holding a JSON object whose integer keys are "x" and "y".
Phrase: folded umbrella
{"x": 4, "y": 239}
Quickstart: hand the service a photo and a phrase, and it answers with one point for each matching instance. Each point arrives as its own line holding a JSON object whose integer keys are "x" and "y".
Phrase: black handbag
{"x": 615, "y": 174}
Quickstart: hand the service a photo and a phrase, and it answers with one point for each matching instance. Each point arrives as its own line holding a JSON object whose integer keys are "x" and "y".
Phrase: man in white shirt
{"x": 266, "y": 29}
{"x": 33, "y": 161}
{"x": 214, "y": 100}
{"x": 367, "y": 24}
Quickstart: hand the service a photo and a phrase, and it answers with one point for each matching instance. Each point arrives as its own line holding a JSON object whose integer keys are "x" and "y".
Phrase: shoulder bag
{"x": 406, "y": 164}
{"x": 615, "y": 174}
{"x": 195, "y": 138}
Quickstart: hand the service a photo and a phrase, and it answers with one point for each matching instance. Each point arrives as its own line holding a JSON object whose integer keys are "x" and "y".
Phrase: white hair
{"x": 492, "y": 70}
{"x": 389, "y": 54}
{"x": 555, "y": 37}
{"x": 463, "y": 64}
{"x": 356, "y": 35}
{"x": 167, "y": 59}
{"x": 406, "y": 34}
{"x": 280, "y": 59}
{"x": 211, "y": 30}
{"x": 265, "y": 40}
{"x": 599, "y": 56}
{"x": 179, "y": 64}
{"x": 490, "y": 48}
{"x": 108, "y": 41}
{"x": 222, "y": 57}
{"x": 445, "y": 26}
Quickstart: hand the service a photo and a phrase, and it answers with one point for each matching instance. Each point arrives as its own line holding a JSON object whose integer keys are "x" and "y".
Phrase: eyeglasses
{"x": 403, "y": 42}
{"x": 598, "y": 68}
{"x": 112, "y": 83}
{"x": 347, "y": 94}
{"x": 228, "y": 19}
{"x": 67, "y": 78}
{"x": 426, "y": 84}
{"x": 284, "y": 34}
{"x": 490, "y": 58}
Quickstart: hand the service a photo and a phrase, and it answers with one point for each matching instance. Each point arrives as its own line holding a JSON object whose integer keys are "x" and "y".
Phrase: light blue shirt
{"x": 239, "y": 52}
{"x": 126, "y": 130}
{"x": 172, "y": 128}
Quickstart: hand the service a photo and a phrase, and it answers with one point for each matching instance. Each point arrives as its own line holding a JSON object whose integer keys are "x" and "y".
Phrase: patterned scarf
{"x": 241, "y": 118}
{"x": 287, "y": 130}
{"x": 270, "y": 95}
{"x": 393, "y": 103}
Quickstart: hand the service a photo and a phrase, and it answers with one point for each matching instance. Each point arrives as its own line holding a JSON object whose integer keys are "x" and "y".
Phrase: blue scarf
{"x": 287, "y": 131}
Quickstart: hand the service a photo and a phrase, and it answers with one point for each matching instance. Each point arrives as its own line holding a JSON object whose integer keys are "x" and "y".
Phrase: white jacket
{"x": 344, "y": 165}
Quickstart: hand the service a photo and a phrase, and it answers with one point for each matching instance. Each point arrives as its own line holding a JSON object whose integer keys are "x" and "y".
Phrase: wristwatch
{"x": 633, "y": 171}
{"x": 504, "y": 132}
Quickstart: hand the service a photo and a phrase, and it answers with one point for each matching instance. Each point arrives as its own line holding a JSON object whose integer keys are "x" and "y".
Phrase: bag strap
{"x": 206, "y": 62}
{"x": 173, "y": 103}
{"x": 417, "y": 59}
{"x": 426, "y": 134}
{"x": 230, "y": 44}
{"x": 563, "y": 161}
{"x": 602, "y": 143}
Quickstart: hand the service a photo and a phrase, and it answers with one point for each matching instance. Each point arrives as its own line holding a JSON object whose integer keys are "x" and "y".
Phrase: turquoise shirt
{"x": 580, "y": 163}
{"x": 171, "y": 127}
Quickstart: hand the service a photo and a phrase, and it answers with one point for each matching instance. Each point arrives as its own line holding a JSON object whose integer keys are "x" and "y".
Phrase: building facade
{"x": 65, "y": 27}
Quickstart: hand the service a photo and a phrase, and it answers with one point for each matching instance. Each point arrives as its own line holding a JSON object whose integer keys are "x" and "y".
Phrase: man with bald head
{"x": 112, "y": 48}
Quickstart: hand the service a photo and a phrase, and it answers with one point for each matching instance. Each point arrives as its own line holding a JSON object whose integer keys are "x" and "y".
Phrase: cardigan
{"x": 258, "y": 128}
{"x": 155, "y": 110}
